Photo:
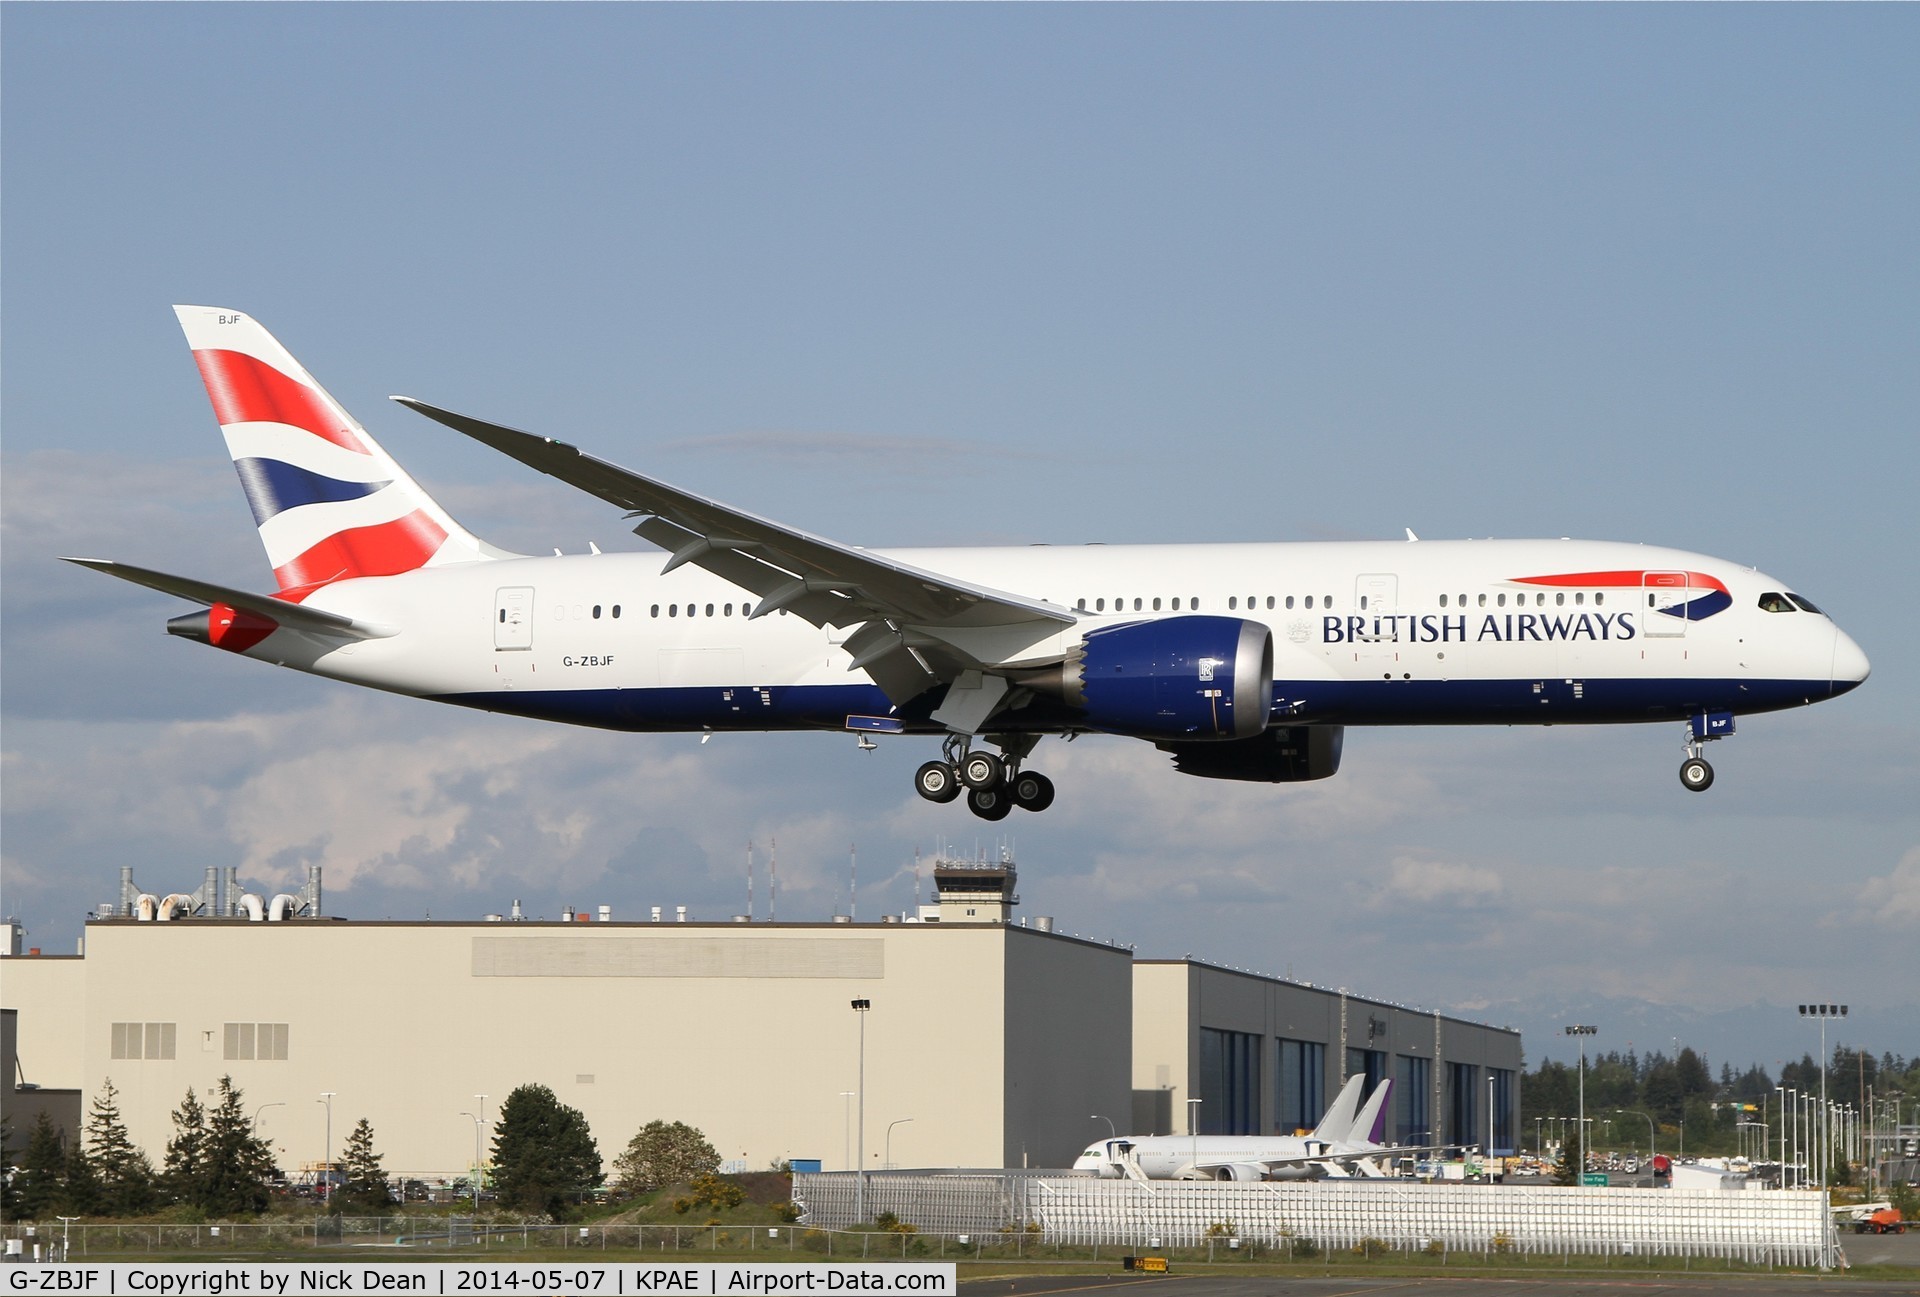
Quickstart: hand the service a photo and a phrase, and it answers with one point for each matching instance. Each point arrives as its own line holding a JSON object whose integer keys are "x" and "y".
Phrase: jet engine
{"x": 1289, "y": 754}
{"x": 1202, "y": 680}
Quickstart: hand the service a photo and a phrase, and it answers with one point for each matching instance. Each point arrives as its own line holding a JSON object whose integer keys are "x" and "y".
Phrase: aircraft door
{"x": 513, "y": 618}
{"x": 1659, "y": 592}
{"x": 1376, "y": 598}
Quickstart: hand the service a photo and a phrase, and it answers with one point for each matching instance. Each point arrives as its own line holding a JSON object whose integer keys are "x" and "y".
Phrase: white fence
{"x": 1790, "y": 1228}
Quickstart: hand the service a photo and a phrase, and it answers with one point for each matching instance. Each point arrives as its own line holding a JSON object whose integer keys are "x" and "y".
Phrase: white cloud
{"x": 1893, "y": 900}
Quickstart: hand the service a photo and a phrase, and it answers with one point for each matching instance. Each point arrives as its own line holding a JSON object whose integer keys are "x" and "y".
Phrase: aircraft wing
{"x": 279, "y": 611}
{"x": 900, "y": 609}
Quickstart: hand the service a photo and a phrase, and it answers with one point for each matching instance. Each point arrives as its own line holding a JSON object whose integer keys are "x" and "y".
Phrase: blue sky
{"x": 953, "y": 274}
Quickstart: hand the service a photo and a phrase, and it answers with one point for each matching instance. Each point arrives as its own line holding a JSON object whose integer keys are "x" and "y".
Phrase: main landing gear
{"x": 994, "y": 785}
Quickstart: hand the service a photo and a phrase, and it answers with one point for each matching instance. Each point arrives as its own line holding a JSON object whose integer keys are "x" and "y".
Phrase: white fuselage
{"x": 1433, "y": 632}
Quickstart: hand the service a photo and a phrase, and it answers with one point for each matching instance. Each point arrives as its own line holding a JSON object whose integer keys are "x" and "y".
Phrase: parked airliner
{"x": 1344, "y": 1142}
{"x": 1241, "y": 661}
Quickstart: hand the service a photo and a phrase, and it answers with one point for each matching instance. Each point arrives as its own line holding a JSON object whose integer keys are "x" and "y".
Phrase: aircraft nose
{"x": 1850, "y": 665}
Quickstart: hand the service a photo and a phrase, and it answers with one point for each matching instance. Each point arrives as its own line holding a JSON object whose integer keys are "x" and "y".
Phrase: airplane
{"x": 1345, "y": 1140}
{"x": 1240, "y": 661}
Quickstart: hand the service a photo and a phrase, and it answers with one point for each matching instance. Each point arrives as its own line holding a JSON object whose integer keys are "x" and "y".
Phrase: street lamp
{"x": 326, "y": 1165}
{"x": 476, "y": 1160}
{"x": 1635, "y": 1112}
{"x": 479, "y": 1171}
{"x": 1823, "y": 1012}
{"x": 1583, "y": 1032}
{"x": 860, "y": 1010}
{"x": 887, "y": 1162}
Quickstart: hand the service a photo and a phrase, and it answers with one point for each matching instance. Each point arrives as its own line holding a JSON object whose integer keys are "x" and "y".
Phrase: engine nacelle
{"x": 1192, "y": 679}
{"x": 1290, "y": 754}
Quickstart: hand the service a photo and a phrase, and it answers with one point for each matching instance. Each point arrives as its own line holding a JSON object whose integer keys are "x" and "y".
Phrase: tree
{"x": 238, "y": 1163}
{"x": 543, "y": 1152}
{"x": 664, "y": 1152}
{"x": 366, "y": 1187}
{"x": 186, "y": 1151}
{"x": 127, "y": 1181}
{"x": 214, "y": 1161}
{"x": 41, "y": 1177}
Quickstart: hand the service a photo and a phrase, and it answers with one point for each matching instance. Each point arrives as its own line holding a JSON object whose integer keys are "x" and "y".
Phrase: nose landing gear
{"x": 1696, "y": 776}
{"x": 994, "y": 785}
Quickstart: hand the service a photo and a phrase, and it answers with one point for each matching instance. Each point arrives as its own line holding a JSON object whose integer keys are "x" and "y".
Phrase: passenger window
{"x": 1773, "y": 601}
{"x": 1805, "y": 605}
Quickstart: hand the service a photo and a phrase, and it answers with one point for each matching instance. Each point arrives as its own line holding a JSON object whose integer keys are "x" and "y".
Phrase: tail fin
{"x": 1339, "y": 1118}
{"x": 329, "y": 502}
{"x": 1370, "y": 1126}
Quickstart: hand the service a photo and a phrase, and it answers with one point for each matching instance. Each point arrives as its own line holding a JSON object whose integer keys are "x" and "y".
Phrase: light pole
{"x": 1583, "y": 1032}
{"x": 476, "y": 1160}
{"x": 479, "y": 1171}
{"x": 887, "y": 1162}
{"x": 326, "y": 1165}
{"x": 1635, "y": 1112}
{"x": 1823, "y": 1012}
{"x": 860, "y": 1010}
{"x": 1111, "y": 1132}
{"x": 846, "y": 1127}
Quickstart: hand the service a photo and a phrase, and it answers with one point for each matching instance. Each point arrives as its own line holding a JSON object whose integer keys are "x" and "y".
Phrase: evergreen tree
{"x": 366, "y": 1188}
{"x": 664, "y": 1153}
{"x": 237, "y": 1164}
{"x": 80, "y": 1193}
{"x": 186, "y": 1151}
{"x": 127, "y": 1181}
{"x": 542, "y": 1152}
{"x": 41, "y": 1176}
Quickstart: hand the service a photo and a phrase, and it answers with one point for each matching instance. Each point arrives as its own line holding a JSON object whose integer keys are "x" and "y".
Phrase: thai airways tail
{"x": 1337, "y": 1124}
{"x": 329, "y": 502}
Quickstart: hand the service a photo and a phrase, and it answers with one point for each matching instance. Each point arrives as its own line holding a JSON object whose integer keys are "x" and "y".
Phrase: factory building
{"x": 984, "y": 1041}
{"x": 1237, "y": 1053}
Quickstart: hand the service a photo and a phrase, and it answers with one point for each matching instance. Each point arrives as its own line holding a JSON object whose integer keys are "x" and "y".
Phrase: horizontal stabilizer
{"x": 277, "y": 611}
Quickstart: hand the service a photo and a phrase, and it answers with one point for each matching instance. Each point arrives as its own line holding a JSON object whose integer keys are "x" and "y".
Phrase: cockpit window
{"x": 1804, "y": 605}
{"x": 1774, "y": 601}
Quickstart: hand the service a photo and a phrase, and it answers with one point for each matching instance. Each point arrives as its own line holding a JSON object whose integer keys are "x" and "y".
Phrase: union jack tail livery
{"x": 330, "y": 503}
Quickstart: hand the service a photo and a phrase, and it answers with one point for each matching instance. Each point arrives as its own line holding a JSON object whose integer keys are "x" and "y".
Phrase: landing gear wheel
{"x": 937, "y": 782}
{"x": 1031, "y": 791}
{"x": 1696, "y": 775}
{"x": 990, "y": 803}
{"x": 981, "y": 770}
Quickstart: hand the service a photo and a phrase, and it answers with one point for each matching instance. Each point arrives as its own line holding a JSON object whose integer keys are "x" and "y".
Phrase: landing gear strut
{"x": 1696, "y": 776}
{"x": 994, "y": 785}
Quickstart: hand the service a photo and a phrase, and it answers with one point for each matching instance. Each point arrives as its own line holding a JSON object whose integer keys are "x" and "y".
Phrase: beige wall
{"x": 743, "y": 1031}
